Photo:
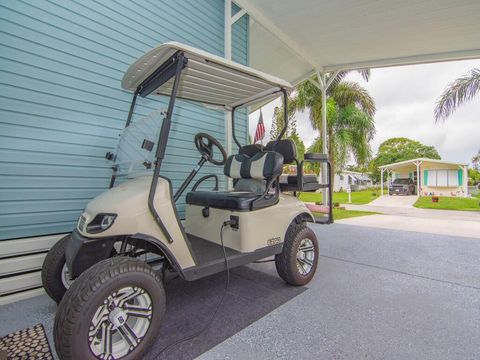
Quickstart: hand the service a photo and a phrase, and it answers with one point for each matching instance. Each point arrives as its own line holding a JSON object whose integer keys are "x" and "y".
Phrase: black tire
{"x": 52, "y": 270}
{"x": 88, "y": 293}
{"x": 286, "y": 261}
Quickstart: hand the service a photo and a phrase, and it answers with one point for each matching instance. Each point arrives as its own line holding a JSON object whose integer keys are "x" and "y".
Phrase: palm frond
{"x": 347, "y": 93}
{"x": 457, "y": 93}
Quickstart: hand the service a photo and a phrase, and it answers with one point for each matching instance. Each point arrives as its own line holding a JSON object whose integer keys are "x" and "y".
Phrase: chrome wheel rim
{"x": 305, "y": 257}
{"x": 66, "y": 281}
{"x": 120, "y": 323}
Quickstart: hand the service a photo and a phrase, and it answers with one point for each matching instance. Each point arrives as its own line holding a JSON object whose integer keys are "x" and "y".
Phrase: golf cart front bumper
{"x": 83, "y": 252}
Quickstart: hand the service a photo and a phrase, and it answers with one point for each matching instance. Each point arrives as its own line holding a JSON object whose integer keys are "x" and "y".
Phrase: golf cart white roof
{"x": 207, "y": 78}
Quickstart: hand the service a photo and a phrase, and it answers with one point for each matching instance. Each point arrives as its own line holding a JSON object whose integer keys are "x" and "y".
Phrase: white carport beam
{"x": 237, "y": 16}
{"x": 270, "y": 26}
{"x": 407, "y": 60}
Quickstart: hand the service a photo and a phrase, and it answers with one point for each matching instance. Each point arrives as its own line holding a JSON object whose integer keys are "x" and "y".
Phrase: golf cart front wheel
{"x": 297, "y": 262}
{"x": 114, "y": 310}
{"x": 55, "y": 277}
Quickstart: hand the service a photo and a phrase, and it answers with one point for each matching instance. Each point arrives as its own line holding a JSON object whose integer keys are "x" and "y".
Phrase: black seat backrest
{"x": 264, "y": 165}
{"x": 250, "y": 149}
{"x": 286, "y": 147}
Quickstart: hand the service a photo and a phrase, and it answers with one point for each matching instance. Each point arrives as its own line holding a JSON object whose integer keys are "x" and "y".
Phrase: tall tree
{"x": 350, "y": 125}
{"x": 476, "y": 160}
{"x": 291, "y": 133}
{"x": 457, "y": 93}
{"x": 400, "y": 149}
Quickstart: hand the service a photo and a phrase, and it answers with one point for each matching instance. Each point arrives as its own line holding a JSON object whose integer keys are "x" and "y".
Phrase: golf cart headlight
{"x": 100, "y": 223}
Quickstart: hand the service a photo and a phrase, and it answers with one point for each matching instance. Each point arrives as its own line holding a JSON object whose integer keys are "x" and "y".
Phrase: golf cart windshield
{"x": 180, "y": 71}
{"x": 135, "y": 148}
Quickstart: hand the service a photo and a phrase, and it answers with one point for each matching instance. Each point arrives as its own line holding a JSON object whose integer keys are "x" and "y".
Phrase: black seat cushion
{"x": 293, "y": 179}
{"x": 290, "y": 183}
{"x": 231, "y": 200}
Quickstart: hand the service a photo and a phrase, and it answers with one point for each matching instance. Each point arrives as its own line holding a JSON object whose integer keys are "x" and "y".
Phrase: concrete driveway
{"x": 377, "y": 294}
{"x": 394, "y": 201}
{"x": 397, "y": 212}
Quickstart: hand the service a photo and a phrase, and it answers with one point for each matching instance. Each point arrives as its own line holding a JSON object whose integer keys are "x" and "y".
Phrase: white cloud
{"x": 405, "y": 98}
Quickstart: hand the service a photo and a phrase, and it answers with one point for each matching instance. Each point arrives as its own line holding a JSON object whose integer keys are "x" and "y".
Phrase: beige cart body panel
{"x": 129, "y": 200}
{"x": 257, "y": 229}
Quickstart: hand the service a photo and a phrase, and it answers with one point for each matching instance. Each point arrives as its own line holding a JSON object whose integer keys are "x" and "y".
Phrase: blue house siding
{"x": 62, "y": 108}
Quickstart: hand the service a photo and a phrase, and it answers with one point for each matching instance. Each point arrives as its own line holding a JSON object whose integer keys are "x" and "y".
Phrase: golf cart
{"x": 108, "y": 275}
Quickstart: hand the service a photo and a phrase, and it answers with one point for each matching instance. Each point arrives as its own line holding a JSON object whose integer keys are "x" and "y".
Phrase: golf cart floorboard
{"x": 209, "y": 257}
{"x": 205, "y": 251}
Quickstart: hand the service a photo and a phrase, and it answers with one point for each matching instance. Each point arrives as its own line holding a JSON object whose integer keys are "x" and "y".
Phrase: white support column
{"x": 381, "y": 180}
{"x": 228, "y": 56}
{"x": 322, "y": 81}
{"x": 229, "y": 21}
{"x": 323, "y": 85}
{"x": 465, "y": 180}
{"x": 418, "y": 163}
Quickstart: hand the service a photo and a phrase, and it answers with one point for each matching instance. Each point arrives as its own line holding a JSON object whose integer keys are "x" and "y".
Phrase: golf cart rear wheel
{"x": 114, "y": 310}
{"x": 55, "y": 276}
{"x": 297, "y": 262}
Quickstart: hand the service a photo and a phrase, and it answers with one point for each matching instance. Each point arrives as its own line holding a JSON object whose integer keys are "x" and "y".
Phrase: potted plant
{"x": 435, "y": 199}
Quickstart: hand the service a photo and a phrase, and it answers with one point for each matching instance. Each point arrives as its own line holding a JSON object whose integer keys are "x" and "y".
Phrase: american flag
{"x": 260, "y": 132}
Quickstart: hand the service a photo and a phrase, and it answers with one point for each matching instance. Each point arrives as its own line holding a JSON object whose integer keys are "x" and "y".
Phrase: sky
{"x": 405, "y": 98}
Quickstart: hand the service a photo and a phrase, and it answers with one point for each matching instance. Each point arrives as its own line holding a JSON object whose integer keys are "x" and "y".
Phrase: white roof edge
{"x": 210, "y": 57}
{"x": 408, "y": 60}
{"x": 421, "y": 159}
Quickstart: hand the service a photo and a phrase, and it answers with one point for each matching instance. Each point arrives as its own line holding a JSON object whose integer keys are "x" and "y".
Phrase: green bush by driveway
{"x": 358, "y": 197}
{"x": 449, "y": 203}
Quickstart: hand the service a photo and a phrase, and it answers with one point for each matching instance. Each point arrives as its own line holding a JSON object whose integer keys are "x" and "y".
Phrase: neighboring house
{"x": 62, "y": 108}
{"x": 351, "y": 179}
{"x": 432, "y": 177}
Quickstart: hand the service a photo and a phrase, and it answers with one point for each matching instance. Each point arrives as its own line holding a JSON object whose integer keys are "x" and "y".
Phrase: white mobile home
{"x": 351, "y": 179}
{"x": 432, "y": 177}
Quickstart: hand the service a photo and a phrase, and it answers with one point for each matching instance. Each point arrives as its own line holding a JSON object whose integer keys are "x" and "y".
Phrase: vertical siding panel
{"x": 62, "y": 108}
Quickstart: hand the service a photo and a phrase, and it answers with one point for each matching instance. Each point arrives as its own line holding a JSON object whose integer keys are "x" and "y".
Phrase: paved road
{"x": 378, "y": 294}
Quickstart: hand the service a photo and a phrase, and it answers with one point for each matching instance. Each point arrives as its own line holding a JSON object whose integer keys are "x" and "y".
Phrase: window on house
{"x": 443, "y": 178}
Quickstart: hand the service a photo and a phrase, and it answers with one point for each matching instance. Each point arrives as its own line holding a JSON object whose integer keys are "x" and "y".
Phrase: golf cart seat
{"x": 298, "y": 182}
{"x": 249, "y": 193}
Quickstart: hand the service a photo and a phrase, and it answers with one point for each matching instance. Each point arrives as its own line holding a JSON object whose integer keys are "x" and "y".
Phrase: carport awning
{"x": 294, "y": 39}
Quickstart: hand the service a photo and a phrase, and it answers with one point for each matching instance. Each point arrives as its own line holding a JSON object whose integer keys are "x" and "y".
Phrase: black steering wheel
{"x": 205, "y": 143}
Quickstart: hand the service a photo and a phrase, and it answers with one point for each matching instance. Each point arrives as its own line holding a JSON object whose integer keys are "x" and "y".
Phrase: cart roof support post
{"x": 179, "y": 62}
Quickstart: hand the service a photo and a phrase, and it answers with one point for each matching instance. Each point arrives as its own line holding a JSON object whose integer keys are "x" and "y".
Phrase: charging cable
{"x": 167, "y": 348}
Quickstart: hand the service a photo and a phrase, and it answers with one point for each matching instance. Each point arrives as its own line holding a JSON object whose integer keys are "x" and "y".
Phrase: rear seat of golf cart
{"x": 254, "y": 170}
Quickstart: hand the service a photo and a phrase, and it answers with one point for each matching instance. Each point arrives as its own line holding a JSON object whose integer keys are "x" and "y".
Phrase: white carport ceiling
{"x": 292, "y": 39}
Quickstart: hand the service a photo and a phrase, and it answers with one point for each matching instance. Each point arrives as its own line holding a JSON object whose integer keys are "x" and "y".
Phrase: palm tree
{"x": 457, "y": 93}
{"x": 350, "y": 125}
{"x": 476, "y": 161}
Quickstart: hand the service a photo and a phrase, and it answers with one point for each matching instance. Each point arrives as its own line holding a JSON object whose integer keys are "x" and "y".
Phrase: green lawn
{"x": 339, "y": 214}
{"x": 358, "y": 197}
{"x": 449, "y": 203}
